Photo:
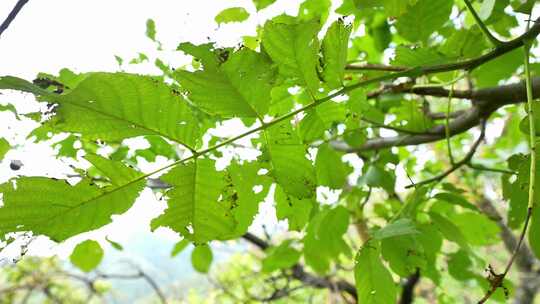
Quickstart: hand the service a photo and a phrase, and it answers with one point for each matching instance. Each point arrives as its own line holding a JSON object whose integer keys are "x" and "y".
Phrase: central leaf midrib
{"x": 125, "y": 120}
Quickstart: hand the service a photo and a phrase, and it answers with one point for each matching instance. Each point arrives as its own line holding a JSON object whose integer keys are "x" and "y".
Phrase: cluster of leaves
{"x": 293, "y": 90}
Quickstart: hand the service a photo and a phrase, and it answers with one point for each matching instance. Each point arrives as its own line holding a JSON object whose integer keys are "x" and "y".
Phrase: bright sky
{"x": 84, "y": 36}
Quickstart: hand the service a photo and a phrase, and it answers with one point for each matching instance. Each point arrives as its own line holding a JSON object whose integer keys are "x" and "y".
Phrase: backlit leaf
{"x": 87, "y": 255}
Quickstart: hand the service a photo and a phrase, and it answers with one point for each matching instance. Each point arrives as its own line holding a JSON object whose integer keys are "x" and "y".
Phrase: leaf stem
{"x": 447, "y": 126}
{"x": 496, "y": 42}
{"x": 497, "y": 280}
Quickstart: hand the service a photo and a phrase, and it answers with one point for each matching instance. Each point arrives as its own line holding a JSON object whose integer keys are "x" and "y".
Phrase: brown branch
{"x": 464, "y": 161}
{"x": 473, "y": 63}
{"x": 139, "y": 275}
{"x": 16, "y": 9}
{"x": 388, "y": 127}
{"x": 375, "y": 67}
{"x": 485, "y": 102}
{"x": 299, "y": 273}
{"x": 407, "y": 292}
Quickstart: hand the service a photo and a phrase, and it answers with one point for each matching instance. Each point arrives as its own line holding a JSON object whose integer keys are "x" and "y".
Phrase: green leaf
{"x": 295, "y": 210}
{"x": 477, "y": 228}
{"x": 66, "y": 147}
{"x": 233, "y": 14}
{"x": 114, "y": 244}
{"x": 320, "y": 119}
{"x": 9, "y": 107}
{"x": 431, "y": 240}
{"x": 503, "y": 67}
{"x": 450, "y": 231}
{"x": 324, "y": 242}
{"x": 314, "y": 9}
{"x": 280, "y": 257}
{"x": 294, "y": 47}
{"x": 395, "y": 8}
{"x": 290, "y": 168}
{"x": 534, "y": 232}
{"x": 204, "y": 52}
{"x": 4, "y": 148}
{"x": 193, "y": 207}
{"x": 179, "y": 247}
{"x": 517, "y": 191}
{"x": 334, "y": 49}
{"x": 331, "y": 171}
{"x": 464, "y": 43}
{"x": 151, "y": 29}
{"x": 15, "y": 83}
{"x": 243, "y": 179}
{"x": 459, "y": 265}
{"x": 404, "y": 254}
{"x": 486, "y": 9}
{"x": 59, "y": 210}
{"x": 456, "y": 199}
{"x": 239, "y": 88}
{"x": 114, "y": 106}
{"x": 413, "y": 57}
{"x": 376, "y": 176}
{"x": 261, "y": 4}
{"x": 201, "y": 258}
{"x": 400, "y": 227}
{"x": 523, "y": 6}
{"x": 374, "y": 282}
{"x": 424, "y": 18}
{"x": 87, "y": 255}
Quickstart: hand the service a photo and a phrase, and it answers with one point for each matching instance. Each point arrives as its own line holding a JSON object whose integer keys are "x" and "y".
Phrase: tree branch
{"x": 307, "y": 278}
{"x": 466, "y": 160}
{"x": 16, "y": 9}
{"x": 485, "y": 102}
{"x": 407, "y": 292}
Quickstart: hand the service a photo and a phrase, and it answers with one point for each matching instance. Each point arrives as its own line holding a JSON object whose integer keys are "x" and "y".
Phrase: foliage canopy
{"x": 395, "y": 107}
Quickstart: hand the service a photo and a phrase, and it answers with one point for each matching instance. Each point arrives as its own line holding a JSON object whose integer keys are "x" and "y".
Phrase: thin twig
{"x": 447, "y": 125}
{"x": 16, "y": 9}
{"x": 307, "y": 278}
{"x": 481, "y": 24}
{"x": 375, "y": 67}
{"x": 498, "y": 279}
{"x": 458, "y": 164}
{"x": 488, "y": 169}
{"x": 393, "y": 128}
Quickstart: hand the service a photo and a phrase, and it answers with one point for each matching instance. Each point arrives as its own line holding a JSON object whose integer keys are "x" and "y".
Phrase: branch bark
{"x": 16, "y": 9}
{"x": 485, "y": 102}
{"x": 309, "y": 279}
